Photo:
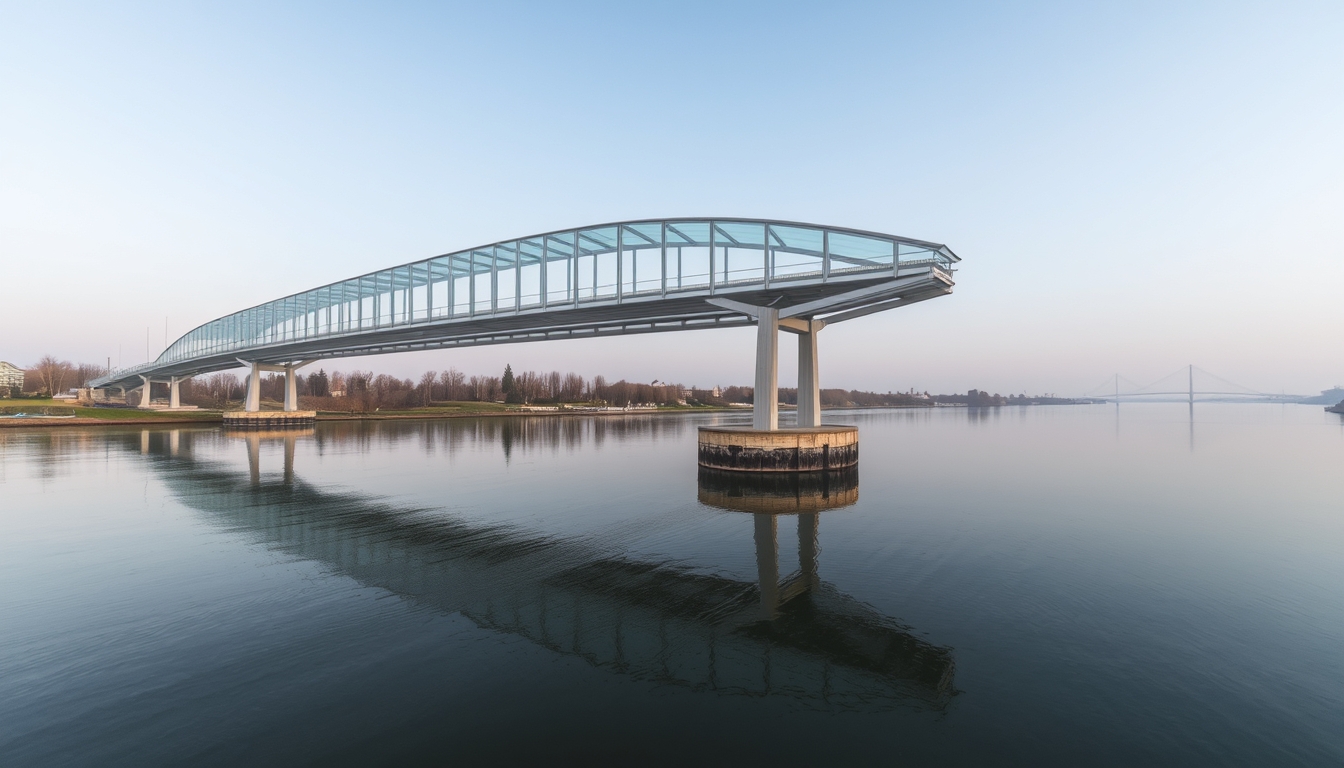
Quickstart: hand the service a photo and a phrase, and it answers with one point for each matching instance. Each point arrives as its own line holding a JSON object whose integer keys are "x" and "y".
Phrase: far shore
{"x": 99, "y": 417}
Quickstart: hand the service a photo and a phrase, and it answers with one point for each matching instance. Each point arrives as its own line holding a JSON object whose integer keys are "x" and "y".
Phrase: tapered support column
{"x": 291, "y": 389}
{"x": 765, "y": 412}
{"x": 767, "y": 564}
{"x": 146, "y": 390}
{"x": 253, "y": 389}
{"x": 809, "y": 385}
{"x": 174, "y": 396}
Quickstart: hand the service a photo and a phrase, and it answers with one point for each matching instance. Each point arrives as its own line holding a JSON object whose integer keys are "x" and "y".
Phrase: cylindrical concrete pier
{"x": 268, "y": 419}
{"x": 797, "y": 449}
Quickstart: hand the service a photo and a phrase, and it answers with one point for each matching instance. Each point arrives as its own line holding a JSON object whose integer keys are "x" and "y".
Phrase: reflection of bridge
{"x": 628, "y": 277}
{"x": 797, "y": 637}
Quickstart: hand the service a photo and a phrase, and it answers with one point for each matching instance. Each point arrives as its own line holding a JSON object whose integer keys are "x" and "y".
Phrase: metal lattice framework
{"x": 623, "y": 277}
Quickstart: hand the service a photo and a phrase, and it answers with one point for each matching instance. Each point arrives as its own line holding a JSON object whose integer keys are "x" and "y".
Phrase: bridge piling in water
{"x": 765, "y": 447}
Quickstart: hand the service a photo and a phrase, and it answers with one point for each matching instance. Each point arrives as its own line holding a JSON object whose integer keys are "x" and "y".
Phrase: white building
{"x": 10, "y": 375}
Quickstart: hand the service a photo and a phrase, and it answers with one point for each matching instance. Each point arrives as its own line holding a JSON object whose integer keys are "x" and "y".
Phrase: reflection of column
{"x": 767, "y": 564}
{"x": 1192, "y": 424}
{"x": 254, "y": 457}
{"x": 289, "y": 458}
{"x": 807, "y": 548}
{"x": 765, "y": 412}
{"x": 174, "y": 441}
{"x": 144, "y": 441}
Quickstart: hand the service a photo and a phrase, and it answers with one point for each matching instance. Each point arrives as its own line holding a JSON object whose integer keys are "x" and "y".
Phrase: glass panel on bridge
{"x": 641, "y": 255}
{"x": 400, "y": 304}
{"x": 419, "y": 290}
{"x": 914, "y": 255}
{"x": 600, "y": 244}
{"x": 560, "y": 267}
{"x": 741, "y": 252}
{"x": 506, "y": 277}
{"x": 482, "y": 291}
{"x": 383, "y": 297}
{"x": 857, "y": 253}
{"x": 687, "y": 254}
{"x": 440, "y": 283}
{"x": 529, "y": 272}
{"x": 461, "y": 288}
{"x": 796, "y": 252}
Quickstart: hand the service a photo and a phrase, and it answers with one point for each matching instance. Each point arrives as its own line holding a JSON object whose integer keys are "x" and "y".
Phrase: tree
{"x": 318, "y": 385}
{"x": 52, "y": 374}
{"x": 509, "y": 386}
{"x": 427, "y": 380}
{"x": 454, "y": 384}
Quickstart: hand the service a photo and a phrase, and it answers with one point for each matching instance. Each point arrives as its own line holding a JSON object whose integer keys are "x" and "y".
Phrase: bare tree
{"x": 53, "y": 374}
{"x": 454, "y": 384}
{"x": 427, "y": 380}
{"x": 554, "y": 385}
{"x": 573, "y": 387}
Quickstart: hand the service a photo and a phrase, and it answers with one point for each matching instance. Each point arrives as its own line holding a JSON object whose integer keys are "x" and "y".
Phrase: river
{"x": 1079, "y": 585}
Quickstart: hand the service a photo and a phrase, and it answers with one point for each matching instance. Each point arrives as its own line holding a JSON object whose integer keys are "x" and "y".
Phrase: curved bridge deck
{"x": 610, "y": 279}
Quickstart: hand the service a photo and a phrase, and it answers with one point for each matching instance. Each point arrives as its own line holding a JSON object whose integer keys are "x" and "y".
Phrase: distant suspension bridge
{"x": 1189, "y": 381}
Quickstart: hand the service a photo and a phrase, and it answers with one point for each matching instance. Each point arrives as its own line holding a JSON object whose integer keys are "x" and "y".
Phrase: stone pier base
{"x": 268, "y": 419}
{"x": 798, "y": 449}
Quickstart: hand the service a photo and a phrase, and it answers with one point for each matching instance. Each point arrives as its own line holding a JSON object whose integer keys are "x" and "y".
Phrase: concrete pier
{"x": 268, "y": 419}
{"x": 797, "y": 449}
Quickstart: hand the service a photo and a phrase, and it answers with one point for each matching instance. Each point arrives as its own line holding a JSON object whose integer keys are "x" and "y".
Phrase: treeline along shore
{"x": 48, "y": 385}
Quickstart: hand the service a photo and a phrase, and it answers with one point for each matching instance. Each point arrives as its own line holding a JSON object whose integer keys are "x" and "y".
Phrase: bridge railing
{"x": 607, "y": 263}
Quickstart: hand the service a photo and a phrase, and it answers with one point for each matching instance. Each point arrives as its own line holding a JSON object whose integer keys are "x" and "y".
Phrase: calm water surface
{"x": 1065, "y": 585}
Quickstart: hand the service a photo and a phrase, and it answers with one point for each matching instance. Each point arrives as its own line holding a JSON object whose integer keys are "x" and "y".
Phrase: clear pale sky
{"x": 1132, "y": 186}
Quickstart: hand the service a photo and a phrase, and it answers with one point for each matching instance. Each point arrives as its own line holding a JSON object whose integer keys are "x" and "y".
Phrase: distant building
{"x": 1328, "y": 397}
{"x": 10, "y": 375}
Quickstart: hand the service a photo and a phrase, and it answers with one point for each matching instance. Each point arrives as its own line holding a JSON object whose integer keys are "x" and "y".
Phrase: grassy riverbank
{"x": 72, "y": 415}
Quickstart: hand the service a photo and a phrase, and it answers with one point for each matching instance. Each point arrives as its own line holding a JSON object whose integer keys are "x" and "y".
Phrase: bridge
{"x": 797, "y": 637}
{"x": 1182, "y": 383}
{"x": 620, "y": 278}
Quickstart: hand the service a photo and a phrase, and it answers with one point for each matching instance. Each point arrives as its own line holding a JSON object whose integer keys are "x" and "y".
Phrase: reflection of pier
{"x": 767, "y": 496}
{"x": 659, "y": 622}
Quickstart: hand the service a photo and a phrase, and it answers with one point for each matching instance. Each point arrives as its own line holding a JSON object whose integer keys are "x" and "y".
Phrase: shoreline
{"x": 217, "y": 417}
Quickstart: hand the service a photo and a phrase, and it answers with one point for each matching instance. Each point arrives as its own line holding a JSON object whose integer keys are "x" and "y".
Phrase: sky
{"x": 1132, "y": 187}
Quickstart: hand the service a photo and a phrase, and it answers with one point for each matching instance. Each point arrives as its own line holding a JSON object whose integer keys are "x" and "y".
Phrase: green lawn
{"x": 102, "y": 413}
